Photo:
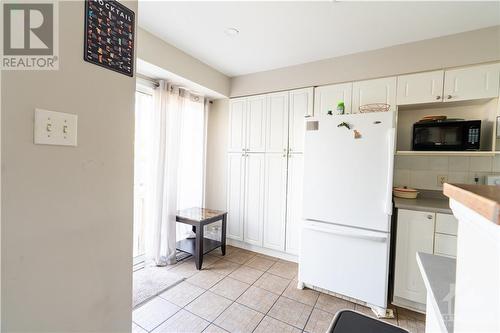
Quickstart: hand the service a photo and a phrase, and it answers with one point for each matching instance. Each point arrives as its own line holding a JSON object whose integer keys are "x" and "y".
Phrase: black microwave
{"x": 446, "y": 135}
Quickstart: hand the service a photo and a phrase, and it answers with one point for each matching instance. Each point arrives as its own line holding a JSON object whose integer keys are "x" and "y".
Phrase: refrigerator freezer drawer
{"x": 348, "y": 261}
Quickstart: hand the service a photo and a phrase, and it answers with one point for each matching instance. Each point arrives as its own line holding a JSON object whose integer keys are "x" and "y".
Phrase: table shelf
{"x": 188, "y": 245}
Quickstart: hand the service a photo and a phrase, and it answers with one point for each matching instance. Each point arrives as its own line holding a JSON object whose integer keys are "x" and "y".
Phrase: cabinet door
{"x": 445, "y": 245}
{"x": 374, "y": 91}
{"x": 294, "y": 202}
{"x": 254, "y": 195}
{"x": 420, "y": 88}
{"x": 326, "y": 98}
{"x": 256, "y": 124}
{"x": 471, "y": 83}
{"x": 446, "y": 224}
{"x": 237, "y": 123}
{"x": 301, "y": 105}
{"x": 277, "y": 122}
{"x": 235, "y": 195}
{"x": 275, "y": 201}
{"x": 415, "y": 233}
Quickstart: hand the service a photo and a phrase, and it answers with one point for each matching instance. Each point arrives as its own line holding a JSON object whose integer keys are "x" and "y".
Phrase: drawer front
{"x": 446, "y": 224}
{"x": 445, "y": 245}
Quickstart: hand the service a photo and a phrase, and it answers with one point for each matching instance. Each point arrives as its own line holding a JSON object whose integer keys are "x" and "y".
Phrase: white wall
{"x": 159, "y": 53}
{"x": 67, "y": 211}
{"x": 455, "y": 50}
{"x": 215, "y": 195}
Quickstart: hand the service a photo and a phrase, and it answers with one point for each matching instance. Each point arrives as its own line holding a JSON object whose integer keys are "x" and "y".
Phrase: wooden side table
{"x": 198, "y": 218}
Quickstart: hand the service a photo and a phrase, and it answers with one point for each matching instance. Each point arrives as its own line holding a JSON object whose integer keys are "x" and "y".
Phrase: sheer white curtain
{"x": 178, "y": 167}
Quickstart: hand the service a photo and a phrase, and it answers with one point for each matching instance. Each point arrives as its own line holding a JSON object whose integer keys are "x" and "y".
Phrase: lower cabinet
{"x": 418, "y": 231}
{"x": 253, "y": 218}
{"x": 264, "y": 199}
{"x": 275, "y": 201}
{"x": 294, "y": 203}
{"x": 415, "y": 233}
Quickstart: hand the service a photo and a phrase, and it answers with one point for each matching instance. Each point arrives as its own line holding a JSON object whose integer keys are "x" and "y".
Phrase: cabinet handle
{"x": 449, "y": 96}
{"x": 438, "y": 97}
{"x": 284, "y": 155}
{"x": 284, "y": 149}
{"x": 290, "y": 149}
{"x": 429, "y": 217}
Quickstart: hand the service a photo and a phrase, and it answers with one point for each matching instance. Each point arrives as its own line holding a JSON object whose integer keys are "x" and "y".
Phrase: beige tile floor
{"x": 247, "y": 292}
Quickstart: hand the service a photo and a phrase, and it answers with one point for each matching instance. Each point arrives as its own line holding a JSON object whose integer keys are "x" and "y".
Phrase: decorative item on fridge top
{"x": 340, "y": 108}
{"x": 374, "y": 107}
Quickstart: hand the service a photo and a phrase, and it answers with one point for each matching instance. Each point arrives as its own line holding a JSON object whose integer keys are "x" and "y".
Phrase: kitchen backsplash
{"x": 423, "y": 172}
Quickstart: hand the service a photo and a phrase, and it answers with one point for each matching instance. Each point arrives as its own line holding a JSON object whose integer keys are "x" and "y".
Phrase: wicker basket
{"x": 375, "y": 107}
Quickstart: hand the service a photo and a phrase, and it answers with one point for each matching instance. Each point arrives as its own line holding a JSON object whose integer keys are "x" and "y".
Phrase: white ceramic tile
{"x": 425, "y": 179}
{"x": 208, "y": 306}
{"x": 258, "y": 299}
{"x": 319, "y": 321}
{"x": 214, "y": 329}
{"x": 401, "y": 177}
{"x": 205, "y": 279}
{"x": 438, "y": 163}
{"x": 458, "y": 163}
{"x": 153, "y": 313}
{"x": 306, "y": 296}
{"x": 496, "y": 163}
{"x": 271, "y": 325}
{"x": 481, "y": 164}
{"x": 402, "y": 162}
{"x": 418, "y": 162}
{"x": 183, "y": 322}
{"x": 457, "y": 177}
{"x": 137, "y": 329}
{"x": 230, "y": 288}
{"x": 291, "y": 312}
{"x": 239, "y": 318}
{"x": 182, "y": 294}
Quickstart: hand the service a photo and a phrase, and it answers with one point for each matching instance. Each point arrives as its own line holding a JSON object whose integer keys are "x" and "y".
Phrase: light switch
{"x": 55, "y": 128}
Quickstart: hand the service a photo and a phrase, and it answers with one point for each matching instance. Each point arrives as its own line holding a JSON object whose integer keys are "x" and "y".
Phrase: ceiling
{"x": 279, "y": 34}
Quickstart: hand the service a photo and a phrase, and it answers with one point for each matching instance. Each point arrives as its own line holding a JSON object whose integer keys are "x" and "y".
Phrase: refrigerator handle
{"x": 357, "y": 234}
{"x": 390, "y": 169}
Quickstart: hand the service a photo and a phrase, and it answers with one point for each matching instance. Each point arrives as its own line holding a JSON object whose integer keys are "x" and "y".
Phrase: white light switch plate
{"x": 55, "y": 128}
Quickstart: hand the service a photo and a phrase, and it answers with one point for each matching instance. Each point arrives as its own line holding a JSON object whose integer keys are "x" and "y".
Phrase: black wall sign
{"x": 109, "y": 35}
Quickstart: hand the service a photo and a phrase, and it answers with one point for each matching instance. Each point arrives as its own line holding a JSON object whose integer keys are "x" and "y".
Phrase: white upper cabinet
{"x": 374, "y": 91}
{"x": 294, "y": 202}
{"x": 420, "y": 88}
{"x": 301, "y": 105}
{"x": 254, "y": 198}
{"x": 277, "y": 122}
{"x": 237, "y": 124}
{"x": 256, "y": 124}
{"x": 327, "y": 97}
{"x": 275, "y": 201}
{"x": 471, "y": 83}
{"x": 235, "y": 195}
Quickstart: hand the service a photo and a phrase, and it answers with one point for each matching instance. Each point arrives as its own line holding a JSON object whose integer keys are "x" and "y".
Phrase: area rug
{"x": 151, "y": 281}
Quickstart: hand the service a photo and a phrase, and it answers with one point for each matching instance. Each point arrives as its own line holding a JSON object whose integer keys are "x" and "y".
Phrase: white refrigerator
{"x": 348, "y": 205}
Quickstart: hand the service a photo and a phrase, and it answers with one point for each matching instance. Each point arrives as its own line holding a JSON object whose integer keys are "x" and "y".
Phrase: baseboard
{"x": 407, "y": 304}
{"x": 262, "y": 250}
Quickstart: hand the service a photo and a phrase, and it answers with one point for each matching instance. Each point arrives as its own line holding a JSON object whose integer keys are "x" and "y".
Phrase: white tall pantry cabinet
{"x": 264, "y": 174}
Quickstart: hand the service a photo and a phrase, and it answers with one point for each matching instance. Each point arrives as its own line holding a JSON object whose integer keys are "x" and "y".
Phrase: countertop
{"x": 438, "y": 273}
{"x": 483, "y": 199}
{"x": 427, "y": 201}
